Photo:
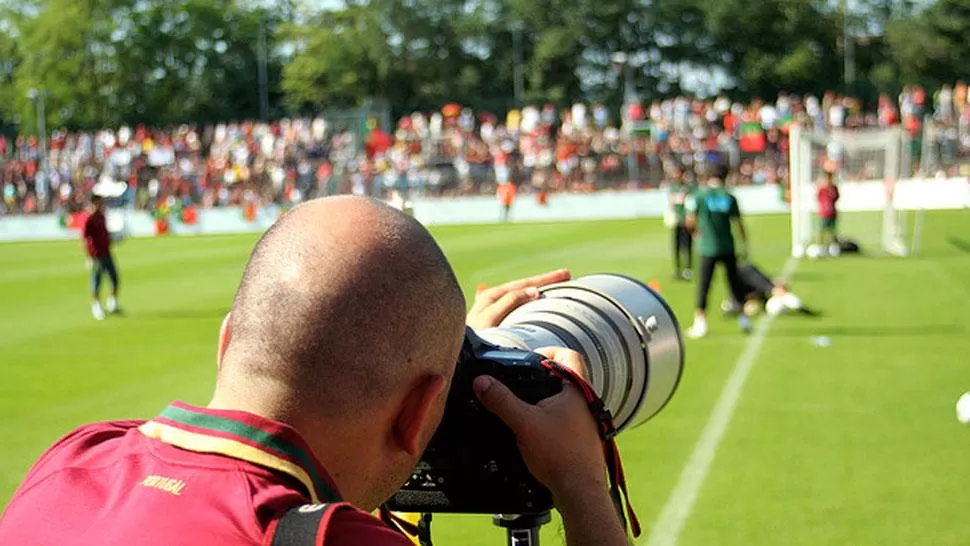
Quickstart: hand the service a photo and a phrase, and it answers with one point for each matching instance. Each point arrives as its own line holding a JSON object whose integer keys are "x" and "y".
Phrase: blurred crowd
{"x": 450, "y": 152}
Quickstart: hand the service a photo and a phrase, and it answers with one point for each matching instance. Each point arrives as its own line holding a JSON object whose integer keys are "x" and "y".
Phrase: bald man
{"x": 334, "y": 366}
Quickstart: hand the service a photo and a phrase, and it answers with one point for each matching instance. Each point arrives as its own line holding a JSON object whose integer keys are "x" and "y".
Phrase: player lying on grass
{"x": 761, "y": 290}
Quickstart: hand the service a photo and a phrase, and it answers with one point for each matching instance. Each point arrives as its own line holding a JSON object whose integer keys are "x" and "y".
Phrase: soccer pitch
{"x": 771, "y": 438}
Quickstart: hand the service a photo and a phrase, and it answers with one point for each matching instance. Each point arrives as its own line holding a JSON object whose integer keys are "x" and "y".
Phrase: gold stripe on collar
{"x": 202, "y": 443}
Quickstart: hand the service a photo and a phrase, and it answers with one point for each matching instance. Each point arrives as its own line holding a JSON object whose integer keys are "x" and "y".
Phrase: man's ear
{"x": 417, "y": 416}
{"x": 223, "y": 341}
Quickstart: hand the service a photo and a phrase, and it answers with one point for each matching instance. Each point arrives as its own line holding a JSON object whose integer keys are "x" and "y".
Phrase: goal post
{"x": 868, "y": 164}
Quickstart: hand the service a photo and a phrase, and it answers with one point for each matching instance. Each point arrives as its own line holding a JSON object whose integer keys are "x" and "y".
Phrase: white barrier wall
{"x": 951, "y": 193}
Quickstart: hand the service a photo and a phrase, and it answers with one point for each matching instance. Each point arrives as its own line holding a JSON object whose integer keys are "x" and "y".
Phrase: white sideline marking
{"x": 666, "y": 530}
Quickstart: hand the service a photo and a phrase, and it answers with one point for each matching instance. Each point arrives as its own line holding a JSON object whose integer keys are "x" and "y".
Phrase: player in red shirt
{"x": 324, "y": 394}
{"x": 97, "y": 241}
{"x": 828, "y": 196}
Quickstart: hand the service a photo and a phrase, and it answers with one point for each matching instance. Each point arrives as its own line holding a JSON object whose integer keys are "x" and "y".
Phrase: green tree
{"x": 774, "y": 45}
{"x": 341, "y": 58}
{"x": 9, "y": 61}
{"x": 191, "y": 60}
{"x": 60, "y": 52}
{"x": 107, "y": 62}
{"x": 933, "y": 48}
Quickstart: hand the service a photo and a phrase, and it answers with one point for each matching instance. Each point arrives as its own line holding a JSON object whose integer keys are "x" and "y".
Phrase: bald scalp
{"x": 344, "y": 302}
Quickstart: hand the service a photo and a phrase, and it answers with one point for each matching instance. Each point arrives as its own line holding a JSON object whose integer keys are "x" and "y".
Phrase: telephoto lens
{"x": 627, "y": 334}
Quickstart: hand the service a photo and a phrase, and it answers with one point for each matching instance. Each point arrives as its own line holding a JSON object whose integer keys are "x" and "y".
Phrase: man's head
{"x": 718, "y": 174}
{"x": 347, "y": 325}
{"x": 97, "y": 203}
{"x": 828, "y": 179}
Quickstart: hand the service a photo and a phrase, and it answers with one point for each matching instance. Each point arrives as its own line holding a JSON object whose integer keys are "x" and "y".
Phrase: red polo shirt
{"x": 96, "y": 236}
{"x": 191, "y": 476}
{"x": 827, "y": 197}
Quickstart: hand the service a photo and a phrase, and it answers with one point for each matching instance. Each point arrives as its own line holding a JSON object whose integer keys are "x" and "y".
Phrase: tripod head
{"x": 523, "y": 529}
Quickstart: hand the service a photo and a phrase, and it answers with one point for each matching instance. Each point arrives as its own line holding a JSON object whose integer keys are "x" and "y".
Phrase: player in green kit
{"x": 712, "y": 213}
{"x": 683, "y": 240}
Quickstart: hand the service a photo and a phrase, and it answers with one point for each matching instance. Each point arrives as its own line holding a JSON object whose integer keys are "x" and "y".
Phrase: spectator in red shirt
{"x": 378, "y": 142}
{"x": 324, "y": 394}
{"x": 97, "y": 241}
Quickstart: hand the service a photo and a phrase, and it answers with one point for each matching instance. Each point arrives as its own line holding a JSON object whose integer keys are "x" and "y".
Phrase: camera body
{"x": 630, "y": 342}
{"x": 472, "y": 464}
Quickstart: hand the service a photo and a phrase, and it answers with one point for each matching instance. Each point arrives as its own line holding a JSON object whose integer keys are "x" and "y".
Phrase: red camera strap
{"x": 607, "y": 430}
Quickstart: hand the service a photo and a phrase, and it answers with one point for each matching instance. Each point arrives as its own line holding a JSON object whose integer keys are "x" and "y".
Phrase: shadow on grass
{"x": 783, "y": 330}
{"x": 959, "y": 244}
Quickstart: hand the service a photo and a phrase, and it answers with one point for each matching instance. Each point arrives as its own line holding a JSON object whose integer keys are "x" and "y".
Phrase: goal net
{"x": 868, "y": 165}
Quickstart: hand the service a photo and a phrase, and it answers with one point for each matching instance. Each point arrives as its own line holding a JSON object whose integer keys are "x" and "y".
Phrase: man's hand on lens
{"x": 560, "y": 444}
{"x": 492, "y": 305}
{"x": 557, "y": 437}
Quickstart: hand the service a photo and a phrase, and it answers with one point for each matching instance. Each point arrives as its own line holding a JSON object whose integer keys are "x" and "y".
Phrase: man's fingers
{"x": 492, "y": 305}
{"x": 497, "y": 312}
{"x": 567, "y": 358}
{"x": 498, "y": 399}
{"x": 495, "y": 293}
{"x": 559, "y": 275}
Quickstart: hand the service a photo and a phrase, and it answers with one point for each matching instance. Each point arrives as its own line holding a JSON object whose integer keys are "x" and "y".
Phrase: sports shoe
{"x": 96, "y": 311}
{"x": 791, "y": 301}
{"x": 112, "y": 304}
{"x": 745, "y": 322}
{"x": 698, "y": 329}
{"x": 730, "y": 307}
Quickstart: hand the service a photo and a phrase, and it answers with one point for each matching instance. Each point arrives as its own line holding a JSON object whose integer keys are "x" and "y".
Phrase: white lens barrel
{"x": 653, "y": 319}
{"x": 626, "y": 332}
{"x": 600, "y": 319}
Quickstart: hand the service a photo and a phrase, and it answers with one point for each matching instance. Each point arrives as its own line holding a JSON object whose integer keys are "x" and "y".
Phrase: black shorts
{"x": 708, "y": 263}
{"x": 103, "y": 266}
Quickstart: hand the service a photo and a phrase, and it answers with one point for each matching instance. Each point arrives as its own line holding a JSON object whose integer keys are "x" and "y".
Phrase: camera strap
{"x": 607, "y": 429}
{"x": 302, "y": 525}
{"x": 419, "y": 533}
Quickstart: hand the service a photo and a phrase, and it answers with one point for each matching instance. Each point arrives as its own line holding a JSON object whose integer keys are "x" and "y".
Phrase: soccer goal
{"x": 868, "y": 165}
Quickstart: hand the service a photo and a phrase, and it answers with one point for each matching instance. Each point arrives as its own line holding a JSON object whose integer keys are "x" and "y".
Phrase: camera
{"x": 632, "y": 345}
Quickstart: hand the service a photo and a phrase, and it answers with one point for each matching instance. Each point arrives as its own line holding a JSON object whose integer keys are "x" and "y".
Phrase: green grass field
{"x": 853, "y": 443}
